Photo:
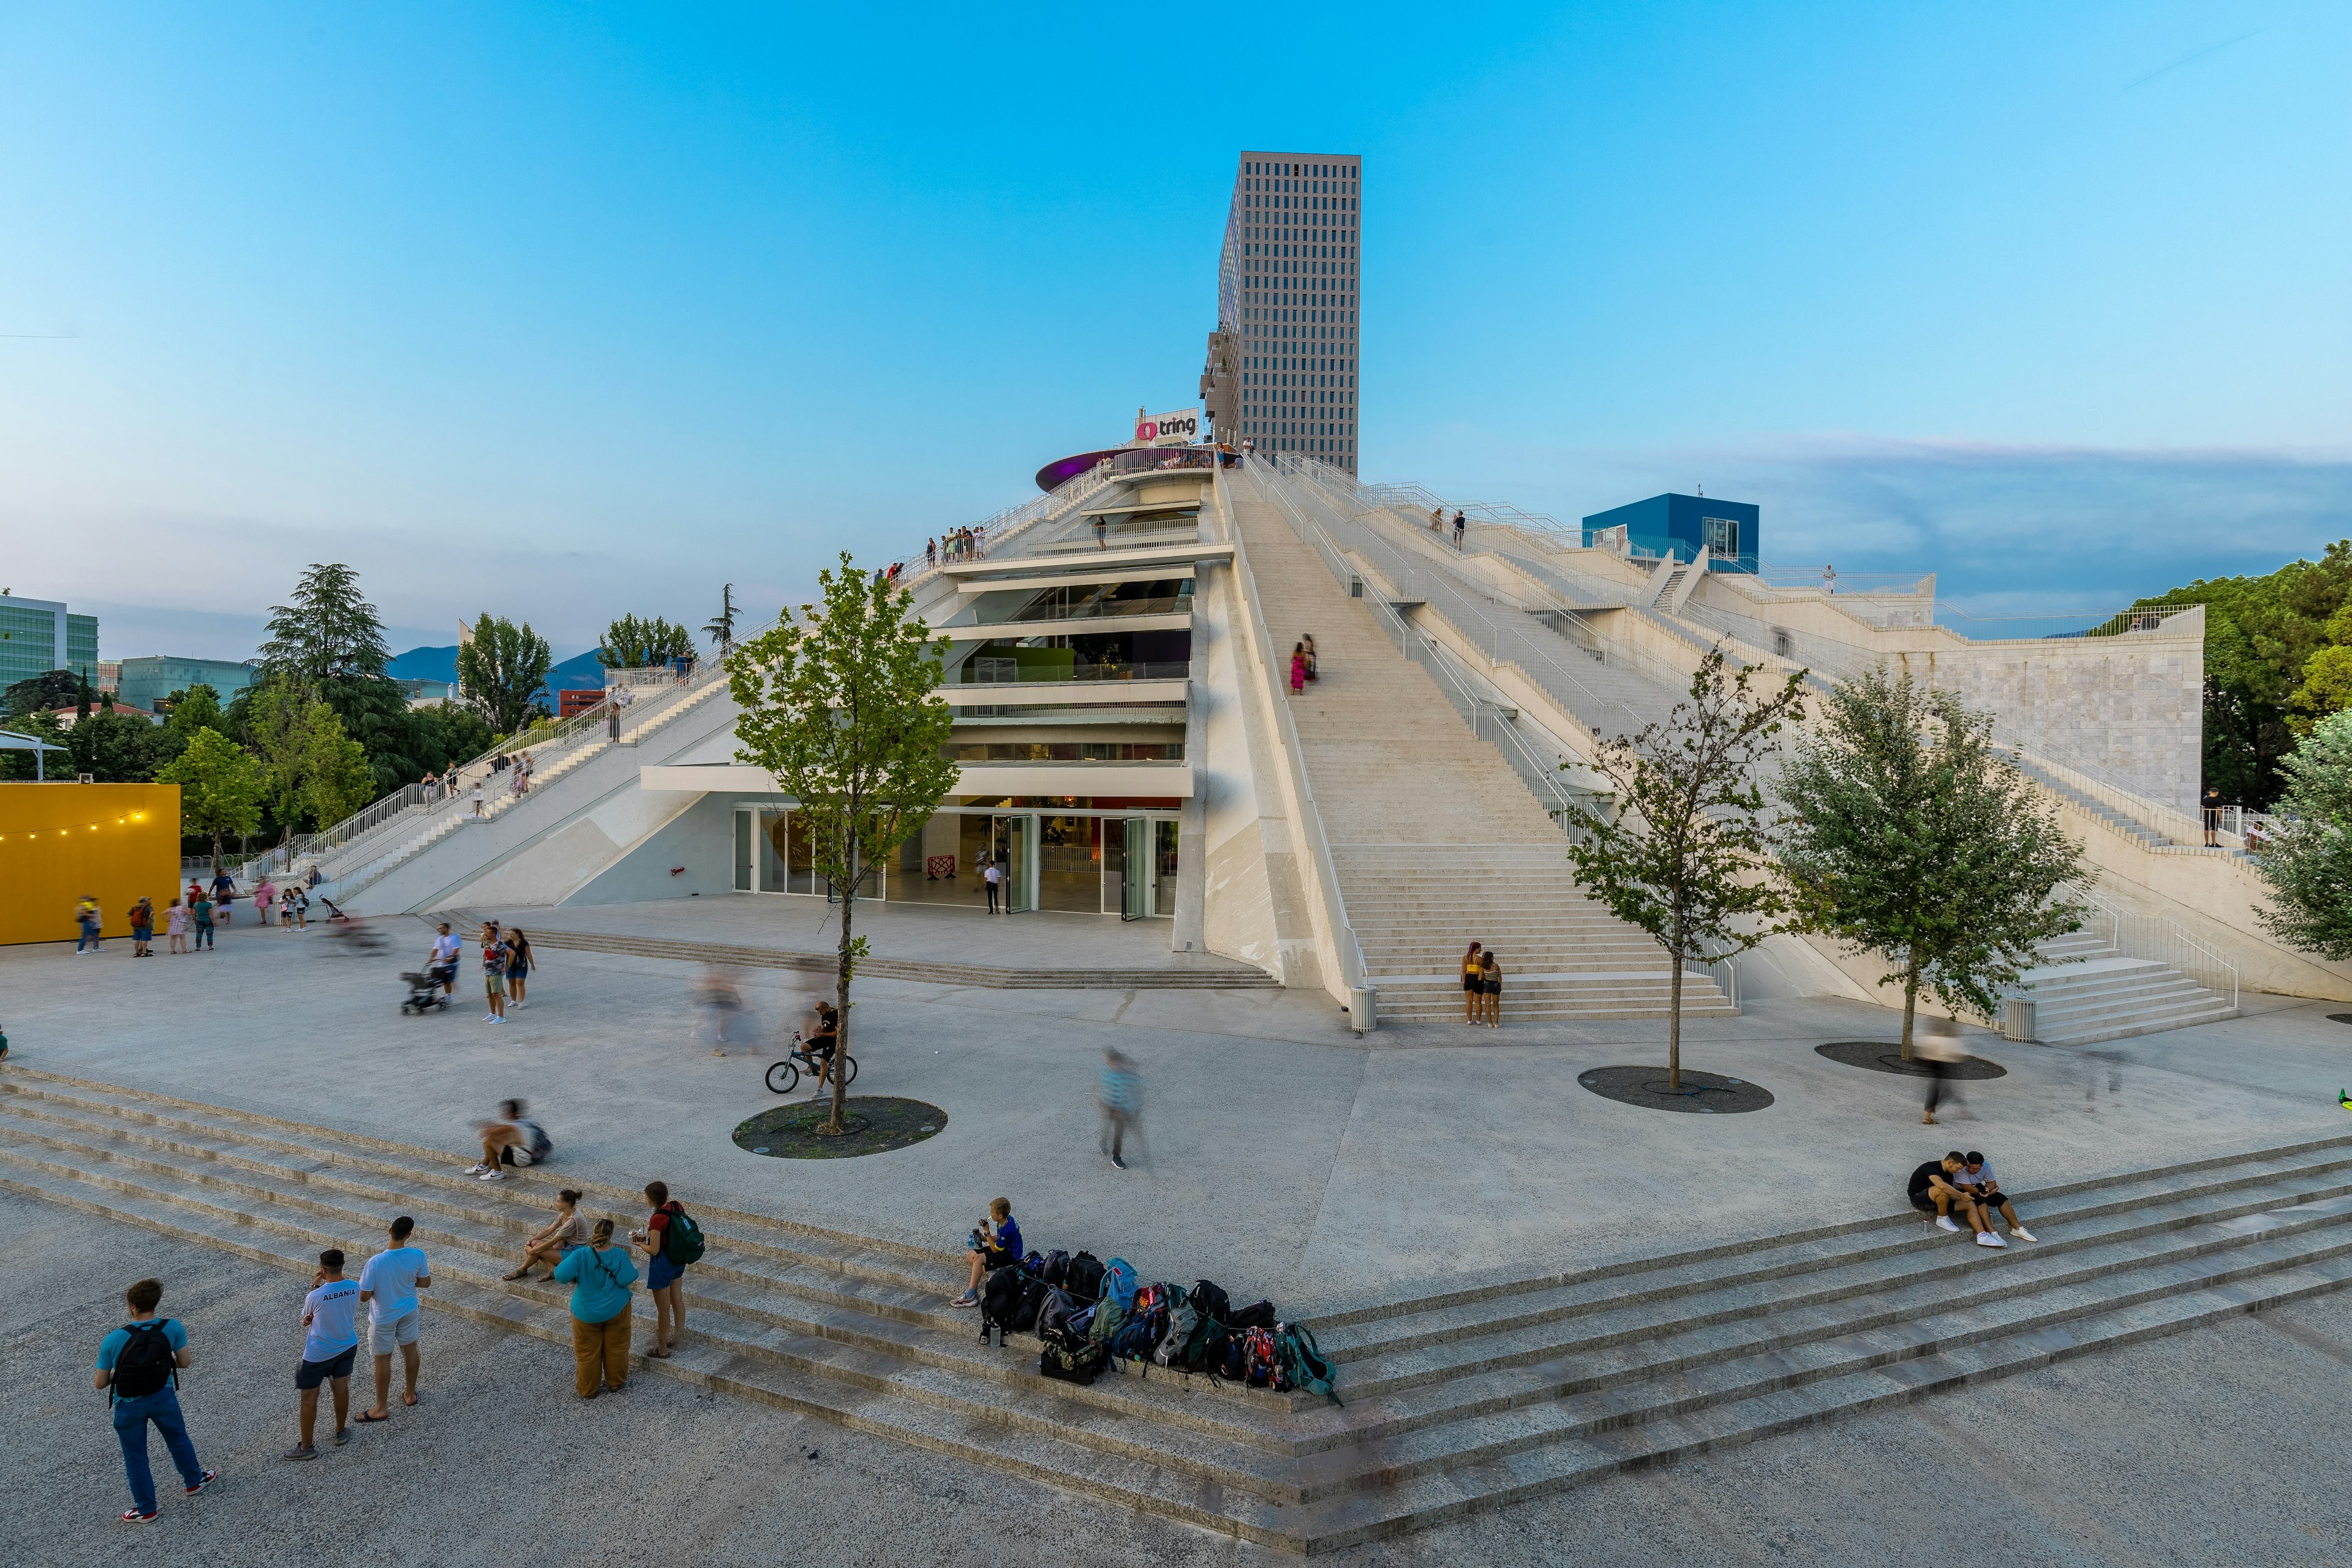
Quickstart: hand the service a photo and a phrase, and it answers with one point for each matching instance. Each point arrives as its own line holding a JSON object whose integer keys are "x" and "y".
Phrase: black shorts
{"x": 312, "y": 1374}
{"x": 1990, "y": 1200}
{"x": 995, "y": 1257}
{"x": 1924, "y": 1202}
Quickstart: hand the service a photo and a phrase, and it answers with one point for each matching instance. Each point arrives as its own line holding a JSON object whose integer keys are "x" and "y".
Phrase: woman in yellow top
{"x": 1473, "y": 984}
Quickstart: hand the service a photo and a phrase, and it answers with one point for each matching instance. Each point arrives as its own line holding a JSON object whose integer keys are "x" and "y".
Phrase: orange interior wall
{"x": 59, "y": 841}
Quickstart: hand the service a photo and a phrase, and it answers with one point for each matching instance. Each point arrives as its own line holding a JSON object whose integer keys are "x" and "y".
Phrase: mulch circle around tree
{"x": 871, "y": 1125}
{"x": 1705, "y": 1092}
{"x": 1878, "y": 1056}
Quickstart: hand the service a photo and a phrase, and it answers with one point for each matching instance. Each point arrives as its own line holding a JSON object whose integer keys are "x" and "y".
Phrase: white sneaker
{"x": 489, "y": 1017}
{"x": 1986, "y": 1238}
{"x": 1944, "y": 1221}
{"x": 495, "y": 1175}
{"x": 2021, "y": 1234}
{"x": 475, "y": 1169}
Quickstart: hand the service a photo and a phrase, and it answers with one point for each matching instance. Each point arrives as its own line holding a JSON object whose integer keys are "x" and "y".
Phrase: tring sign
{"x": 1180, "y": 428}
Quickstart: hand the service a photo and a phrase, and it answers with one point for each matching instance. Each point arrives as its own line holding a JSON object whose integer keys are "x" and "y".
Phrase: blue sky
{"x": 565, "y": 312}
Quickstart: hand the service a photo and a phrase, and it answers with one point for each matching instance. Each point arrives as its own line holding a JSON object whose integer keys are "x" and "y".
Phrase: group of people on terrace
{"x": 966, "y": 543}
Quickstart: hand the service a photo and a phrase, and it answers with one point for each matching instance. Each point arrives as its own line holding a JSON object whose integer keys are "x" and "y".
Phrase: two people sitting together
{"x": 1963, "y": 1185}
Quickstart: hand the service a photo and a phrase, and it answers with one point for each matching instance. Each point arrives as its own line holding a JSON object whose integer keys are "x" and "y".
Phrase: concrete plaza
{"x": 1283, "y": 1155}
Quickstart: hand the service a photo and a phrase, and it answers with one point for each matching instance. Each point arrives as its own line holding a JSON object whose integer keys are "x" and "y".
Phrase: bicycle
{"x": 785, "y": 1076}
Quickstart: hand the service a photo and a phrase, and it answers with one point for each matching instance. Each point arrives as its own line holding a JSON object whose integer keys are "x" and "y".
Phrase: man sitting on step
{"x": 1935, "y": 1189}
{"x": 1976, "y": 1175}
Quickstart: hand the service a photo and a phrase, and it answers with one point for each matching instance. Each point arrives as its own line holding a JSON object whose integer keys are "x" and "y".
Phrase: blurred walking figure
{"x": 716, "y": 993}
{"x": 2095, "y": 1063}
{"x": 85, "y": 920}
{"x": 1939, "y": 1047}
{"x": 1120, "y": 1093}
{"x": 264, "y": 895}
{"x": 1313, "y": 671}
{"x": 512, "y": 1139}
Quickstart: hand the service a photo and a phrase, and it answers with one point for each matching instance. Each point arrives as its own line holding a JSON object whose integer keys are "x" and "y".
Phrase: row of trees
{"x": 1901, "y": 832}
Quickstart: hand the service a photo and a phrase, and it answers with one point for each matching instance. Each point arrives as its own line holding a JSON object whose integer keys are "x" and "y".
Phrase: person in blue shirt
{"x": 138, "y": 1365}
{"x": 993, "y": 1246}
{"x": 600, "y": 1275}
{"x": 330, "y": 1344}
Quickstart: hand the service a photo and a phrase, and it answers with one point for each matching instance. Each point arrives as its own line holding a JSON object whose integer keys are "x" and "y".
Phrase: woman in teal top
{"x": 600, "y": 1275}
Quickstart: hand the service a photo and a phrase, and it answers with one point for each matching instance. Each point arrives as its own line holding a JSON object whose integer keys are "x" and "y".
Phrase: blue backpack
{"x": 1118, "y": 1283}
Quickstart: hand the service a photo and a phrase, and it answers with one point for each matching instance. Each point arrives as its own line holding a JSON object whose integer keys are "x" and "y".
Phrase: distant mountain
{"x": 577, "y": 673}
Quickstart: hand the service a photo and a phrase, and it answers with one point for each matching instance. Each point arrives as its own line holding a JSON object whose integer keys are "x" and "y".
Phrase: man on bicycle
{"x": 822, "y": 1041}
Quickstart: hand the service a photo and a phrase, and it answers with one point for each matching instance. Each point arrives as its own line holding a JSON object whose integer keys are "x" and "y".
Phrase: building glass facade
{"x": 37, "y": 635}
{"x": 1289, "y": 295}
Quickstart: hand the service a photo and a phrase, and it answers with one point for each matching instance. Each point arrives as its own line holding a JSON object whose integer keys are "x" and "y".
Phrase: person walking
{"x": 477, "y": 800}
{"x": 86, "y": 921}
{"x": 667, "y": 1256}
{"x": 1461, "y": 528}
{"x": 1473, "y": 984}
{"x": 1490, "y": 988}
{"x": 446, "y": 947}
{"x": 552, "y": 1243}
{"x": 494, "y": 974}
{"x": 330, "y": 1343}
{"x": 1297, "y": 669}
{"x": 1940, "y": 1049}
{"x": 265, "y": 898}
{"x": 519, "y": 964}
{"x": 930, "y": 553}
{"x": 139, "y": 1367}
{"x": 224, "y": 895}
{"x": 389, "y": 1285}
{"x": 1307, "y": 642}
{"x": 1102, "y": 533}
{"x": 202, "y": 909}
{"x": 176, "y": 926}
{"x": 993, "y": 874}
{"x": 142, "y": 927}
{"x": 600, "y": 1275}
{"x": 1118, "y": 1089}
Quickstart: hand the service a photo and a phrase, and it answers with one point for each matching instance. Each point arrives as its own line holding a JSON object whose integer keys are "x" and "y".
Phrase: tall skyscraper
{"x": 1282, "y": 363}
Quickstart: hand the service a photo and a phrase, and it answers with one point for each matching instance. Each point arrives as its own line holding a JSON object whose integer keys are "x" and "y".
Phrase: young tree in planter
{"x": 2306, "y": 855}
{"x": 1686, "y": 855}
{"x": 501, "y": 669}
{"x": 220, "y": 787}
{"x": 837, "y": 705}
{"x": 1911, "y": 838}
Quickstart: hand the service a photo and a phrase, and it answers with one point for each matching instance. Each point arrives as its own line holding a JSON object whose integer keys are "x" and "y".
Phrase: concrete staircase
{"x": 2087, "y": 991}
{"x": 365, "y": 861}
{"x": 1435, "y": 840}
{"x": 1454, "y": 1403}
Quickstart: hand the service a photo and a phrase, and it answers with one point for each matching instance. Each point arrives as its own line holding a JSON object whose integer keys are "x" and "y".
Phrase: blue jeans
{"x": 130, "y": 1418}
{"x": 90, "y": 937}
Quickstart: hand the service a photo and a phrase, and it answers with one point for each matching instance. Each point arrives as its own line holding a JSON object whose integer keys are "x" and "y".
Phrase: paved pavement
{"x": 2220, "y": 1446}
{"x": 1283, "y": 1156}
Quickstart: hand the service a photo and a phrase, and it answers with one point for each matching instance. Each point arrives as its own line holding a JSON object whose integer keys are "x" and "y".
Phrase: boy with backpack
{"x": 671, "y": 1240}
{"x": 139, "y": 1367}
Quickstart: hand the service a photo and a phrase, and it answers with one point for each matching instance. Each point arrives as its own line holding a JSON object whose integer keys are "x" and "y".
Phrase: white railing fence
{"x": 2162, "y": 941}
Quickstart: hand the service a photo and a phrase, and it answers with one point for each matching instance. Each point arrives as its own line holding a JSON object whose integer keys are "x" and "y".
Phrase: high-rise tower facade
{"x": 1288, "y": 307}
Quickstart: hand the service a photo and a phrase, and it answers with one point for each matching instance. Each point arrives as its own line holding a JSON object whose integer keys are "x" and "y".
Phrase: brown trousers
{"x": 602, "y": 1352}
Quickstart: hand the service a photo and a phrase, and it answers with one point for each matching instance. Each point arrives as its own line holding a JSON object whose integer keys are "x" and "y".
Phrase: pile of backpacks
{"x": 1092, "y": 1316}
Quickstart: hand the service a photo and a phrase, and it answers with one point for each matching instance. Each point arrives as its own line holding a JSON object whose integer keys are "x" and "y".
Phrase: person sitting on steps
{"x": 1935, "y": 1189}
{"x": 1976, "y": 1176}
{"x": 993, "y": 1246}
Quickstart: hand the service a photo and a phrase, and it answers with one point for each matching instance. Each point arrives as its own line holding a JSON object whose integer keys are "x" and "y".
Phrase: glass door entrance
{"x": 1013, "y": 842}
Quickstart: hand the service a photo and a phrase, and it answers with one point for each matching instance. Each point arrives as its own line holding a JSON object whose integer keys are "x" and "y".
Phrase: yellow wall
{"x": 59, "y": 841}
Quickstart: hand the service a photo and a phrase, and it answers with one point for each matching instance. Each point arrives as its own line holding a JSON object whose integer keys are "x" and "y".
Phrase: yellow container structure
{"x": 114, "y": 842}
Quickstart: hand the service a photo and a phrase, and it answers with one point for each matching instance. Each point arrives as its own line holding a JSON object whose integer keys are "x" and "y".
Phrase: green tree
{"x": 720, "y": 628}
{"x": 838, "y": 705}
{"x": 1686, "y": 855}
{"x": 450, "y": 733}
{"x": 46, "y": 693}
{"x": 114, "y": 745}
{"x": 2260, "y": 635}
{"x": 1910, "y": 837}
{"x": 2306, "y": 855}
{"x": 501, "y": 670}
{"x": 41, "y": 724}
{"x": 193, "y": 709}
{"x": 338, "y": 779}
{"x": 220, "y": 788}
{"x": 328, "y": 632}
{"x": 630, "y": 643}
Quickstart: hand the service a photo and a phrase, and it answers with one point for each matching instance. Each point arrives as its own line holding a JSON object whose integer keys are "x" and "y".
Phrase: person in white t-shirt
{"x": 389, "y": 1285}
{"x": 330, "y": 1342}
{"x": 993, "y": 875}
{"x": 443, "y": 962}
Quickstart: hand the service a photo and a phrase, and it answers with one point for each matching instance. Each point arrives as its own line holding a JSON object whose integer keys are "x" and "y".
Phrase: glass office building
{"x": 37, "y": 635}
{"x": 1288, "y": 295}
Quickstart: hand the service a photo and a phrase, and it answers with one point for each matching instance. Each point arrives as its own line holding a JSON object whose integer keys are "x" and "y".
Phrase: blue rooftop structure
{"x": 1678, "y": 525}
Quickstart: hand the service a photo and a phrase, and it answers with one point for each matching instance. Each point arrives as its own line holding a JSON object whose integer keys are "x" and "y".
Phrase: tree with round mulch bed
{"x": 839, "y": 706}
{"x": 1910, "y": 837}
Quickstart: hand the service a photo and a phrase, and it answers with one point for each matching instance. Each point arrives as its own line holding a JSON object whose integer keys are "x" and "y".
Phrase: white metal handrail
{"x": 1004, "y": 524}
{"x": 2163, "y": 941}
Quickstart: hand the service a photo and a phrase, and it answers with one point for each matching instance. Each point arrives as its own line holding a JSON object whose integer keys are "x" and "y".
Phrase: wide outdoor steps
{"x": 1205, "y": 973}
{"x": 1457, "y": 1401}
{"x": 2087, "y": 991}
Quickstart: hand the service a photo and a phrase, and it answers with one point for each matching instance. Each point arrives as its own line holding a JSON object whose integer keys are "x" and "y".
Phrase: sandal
{"x": 659, "y": 1355}
{"x": 522, "y": 1273}
{"x": 368, "y": 1418}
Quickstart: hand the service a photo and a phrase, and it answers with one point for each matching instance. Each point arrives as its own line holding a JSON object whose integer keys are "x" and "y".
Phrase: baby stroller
{"x": 424, "y": 992}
